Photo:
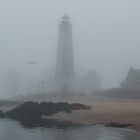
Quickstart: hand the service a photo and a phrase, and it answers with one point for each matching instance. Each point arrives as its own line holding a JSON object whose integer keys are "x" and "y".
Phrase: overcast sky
{"x": 106, "y": 35}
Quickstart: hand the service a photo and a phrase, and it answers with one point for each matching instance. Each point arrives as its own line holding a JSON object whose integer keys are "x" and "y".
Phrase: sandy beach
{"x": 103, "y": 112}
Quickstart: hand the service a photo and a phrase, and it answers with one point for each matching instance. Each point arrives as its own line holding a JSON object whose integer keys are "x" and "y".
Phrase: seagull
{"x": 32, "y": 63}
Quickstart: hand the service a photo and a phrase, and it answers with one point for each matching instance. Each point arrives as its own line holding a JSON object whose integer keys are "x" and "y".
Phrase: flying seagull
{"x": 32, "y": 63}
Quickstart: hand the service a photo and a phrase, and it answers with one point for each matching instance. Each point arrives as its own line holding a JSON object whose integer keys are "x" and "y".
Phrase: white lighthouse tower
{"x": 65, "y": 73}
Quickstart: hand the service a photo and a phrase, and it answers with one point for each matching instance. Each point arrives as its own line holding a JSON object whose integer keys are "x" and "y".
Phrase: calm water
{"x": 11, "y": 130}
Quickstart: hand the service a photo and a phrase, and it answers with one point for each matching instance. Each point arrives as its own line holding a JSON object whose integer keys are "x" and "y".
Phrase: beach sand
{"x": 107, "y": 111}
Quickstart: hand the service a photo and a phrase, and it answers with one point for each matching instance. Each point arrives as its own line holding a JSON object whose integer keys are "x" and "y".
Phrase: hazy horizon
{"x": 105, "y": 35}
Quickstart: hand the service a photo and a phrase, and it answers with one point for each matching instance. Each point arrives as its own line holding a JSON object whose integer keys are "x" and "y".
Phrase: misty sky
{"x": 105, "y": 32}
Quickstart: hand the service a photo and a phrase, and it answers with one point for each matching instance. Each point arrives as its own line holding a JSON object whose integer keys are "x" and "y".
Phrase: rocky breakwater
{"x": 30, "y": 114}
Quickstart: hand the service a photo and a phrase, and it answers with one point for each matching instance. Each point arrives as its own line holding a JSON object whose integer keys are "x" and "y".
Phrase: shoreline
{"x": 105, "y": 112}
{"x": 118, "y": 124}
{"x": 134, "y": 127}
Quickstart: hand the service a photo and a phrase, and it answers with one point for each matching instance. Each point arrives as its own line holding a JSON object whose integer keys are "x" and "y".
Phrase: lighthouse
{"x": 65, "y": 73}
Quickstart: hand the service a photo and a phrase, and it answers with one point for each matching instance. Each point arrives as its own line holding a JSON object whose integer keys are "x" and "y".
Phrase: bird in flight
{"x": 32, "y": 63}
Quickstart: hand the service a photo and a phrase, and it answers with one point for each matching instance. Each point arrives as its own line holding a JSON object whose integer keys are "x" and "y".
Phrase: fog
{"x": 105, "y": 35}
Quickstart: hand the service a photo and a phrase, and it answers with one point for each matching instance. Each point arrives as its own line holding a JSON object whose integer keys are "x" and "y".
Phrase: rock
{"x": 30, "y": 113}
{"x": 118, "y": 125}
{"x": 76, "y": 106}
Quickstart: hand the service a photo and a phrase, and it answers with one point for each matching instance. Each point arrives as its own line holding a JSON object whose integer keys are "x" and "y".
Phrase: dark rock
{"x": 76, "y": 106}
{"x": 24, "y": 111}
{"x": 30, "y": 113}
{"x": 118, "y": 125}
